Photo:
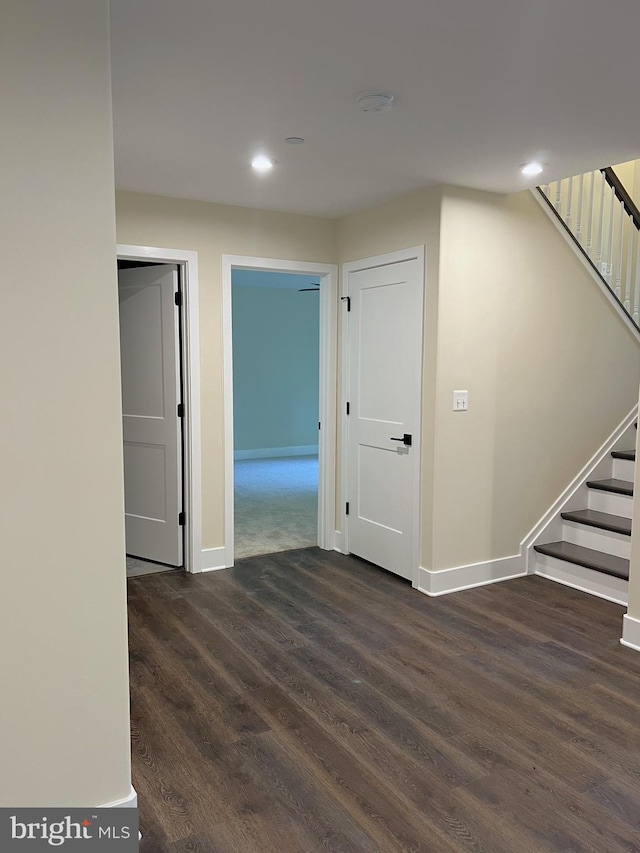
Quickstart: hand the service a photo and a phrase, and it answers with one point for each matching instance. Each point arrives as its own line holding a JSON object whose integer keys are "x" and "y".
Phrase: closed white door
{"x": 151, "y": 426}
{"x": 384, "y": 395}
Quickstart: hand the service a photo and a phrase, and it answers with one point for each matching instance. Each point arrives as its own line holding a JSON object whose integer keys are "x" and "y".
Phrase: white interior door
{"x": 384, "y": 394}
{"x": 151, "y": 426}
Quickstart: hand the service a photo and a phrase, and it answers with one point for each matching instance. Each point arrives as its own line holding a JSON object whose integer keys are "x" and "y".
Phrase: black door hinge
{"x": 348, "y": 408}
{"x": 178, "y": 297}
{"x": 180, "y": 410}
{"x": 347, "y": 508}
{"x": 319, "y": 425}
{"x": 346, "y": 299}
{"x": 181, "y": 519}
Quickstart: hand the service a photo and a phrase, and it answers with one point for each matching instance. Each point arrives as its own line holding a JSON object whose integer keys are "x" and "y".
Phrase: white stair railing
{"x": 604, "y": 221}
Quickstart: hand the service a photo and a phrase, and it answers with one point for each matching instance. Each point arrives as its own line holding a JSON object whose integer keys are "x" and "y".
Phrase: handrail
{"x": 604, "y": 222}
{"x": 616, "y": 184}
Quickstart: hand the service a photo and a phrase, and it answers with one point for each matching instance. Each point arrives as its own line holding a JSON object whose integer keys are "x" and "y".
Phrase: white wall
{"x": 64, "y": 715}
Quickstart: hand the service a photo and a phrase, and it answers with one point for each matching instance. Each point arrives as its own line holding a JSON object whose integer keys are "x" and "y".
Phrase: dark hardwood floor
{"x": 308, "y": 701}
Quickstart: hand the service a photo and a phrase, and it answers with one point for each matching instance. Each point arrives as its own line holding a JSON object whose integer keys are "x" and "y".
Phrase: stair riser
{"x": 623, "y": 469}
{"x": 610, "y": 502}
{"x": 600, "y": 540}
{"x": 578, "y": 577}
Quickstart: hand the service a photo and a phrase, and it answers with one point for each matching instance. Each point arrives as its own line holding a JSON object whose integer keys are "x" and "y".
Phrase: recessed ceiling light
{"x": 261, "y": 163}
{"x": 294, "y": 140}
{"x": 532, "y": 169}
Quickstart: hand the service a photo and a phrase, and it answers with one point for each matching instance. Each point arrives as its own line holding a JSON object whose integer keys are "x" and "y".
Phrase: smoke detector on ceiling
{"x": 375, "y": 102}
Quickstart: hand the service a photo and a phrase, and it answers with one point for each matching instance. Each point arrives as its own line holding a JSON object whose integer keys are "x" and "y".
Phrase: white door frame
{"x": 328, "y": 274}
{"x": 192, "y": 474}
{"x": 414, "y": 253}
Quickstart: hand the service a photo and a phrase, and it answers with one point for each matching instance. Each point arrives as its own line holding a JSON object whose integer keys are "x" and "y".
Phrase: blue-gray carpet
{"x": 276, "y": 504}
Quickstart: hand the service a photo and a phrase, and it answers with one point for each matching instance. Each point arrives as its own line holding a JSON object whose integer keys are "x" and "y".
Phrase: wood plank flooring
{"x": 307, "y": 701}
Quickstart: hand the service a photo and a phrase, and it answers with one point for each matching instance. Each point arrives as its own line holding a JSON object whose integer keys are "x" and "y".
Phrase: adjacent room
{"x": 275, "y": 410}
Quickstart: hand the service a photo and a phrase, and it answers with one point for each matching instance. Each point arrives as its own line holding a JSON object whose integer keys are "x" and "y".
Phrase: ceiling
{"x": 200, "y": 86}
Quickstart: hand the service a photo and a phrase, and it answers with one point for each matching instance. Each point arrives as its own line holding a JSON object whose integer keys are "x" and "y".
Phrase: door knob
{"x": 406, "y": 439}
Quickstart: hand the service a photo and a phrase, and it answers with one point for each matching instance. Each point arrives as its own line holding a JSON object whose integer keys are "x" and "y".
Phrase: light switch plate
{"x": 460, "y": 401}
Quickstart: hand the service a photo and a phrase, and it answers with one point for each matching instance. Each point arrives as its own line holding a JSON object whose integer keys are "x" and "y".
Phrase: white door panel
{"x": 151, "y": 427}
{"x": 385, "y": 369}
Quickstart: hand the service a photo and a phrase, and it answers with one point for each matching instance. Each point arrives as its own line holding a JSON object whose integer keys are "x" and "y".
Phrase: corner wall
{"x": 64, "y": 738}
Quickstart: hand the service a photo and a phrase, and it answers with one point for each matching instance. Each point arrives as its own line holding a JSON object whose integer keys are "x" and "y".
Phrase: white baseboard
{"x": 583, "y": 579}
{"x": 631, "y": 632}
{"x": 275, "y": 452}
{"x": 212, "y": 559}
{"x": 466, "y": 577}
{"x": 128, "y": 802}
{"x": 338, "y": 540}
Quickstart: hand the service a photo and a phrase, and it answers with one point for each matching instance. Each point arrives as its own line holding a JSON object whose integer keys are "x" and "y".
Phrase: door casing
{"x": 342, "y": 541}
{"x": 328, "y": 274}
{"x": 187, "y": 261}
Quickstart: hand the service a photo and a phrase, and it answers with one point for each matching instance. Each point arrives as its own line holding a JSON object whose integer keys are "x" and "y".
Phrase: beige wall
{"x": 629, "y": 174}
{"x": 64, "y": 733}
{"x": 550, "y": 368}
{"x": 512, "y": 316}
{"x": 213, "y": 230}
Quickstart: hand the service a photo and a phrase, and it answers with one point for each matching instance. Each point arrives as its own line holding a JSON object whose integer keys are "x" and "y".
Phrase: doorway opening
{"x": 157, "y": 290}
{"x": 151, "y": 381}
{"x": 275, "y": 321}
{"x": 280, "y": 344}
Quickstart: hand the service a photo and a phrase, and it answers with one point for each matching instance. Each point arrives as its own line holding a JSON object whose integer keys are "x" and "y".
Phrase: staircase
{"x": 594, "y": 549}
{"x": 585, "y": 540}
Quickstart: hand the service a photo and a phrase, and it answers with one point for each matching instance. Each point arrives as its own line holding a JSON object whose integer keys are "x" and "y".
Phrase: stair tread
{"x": 603, "y": 520}
{"x": 617, "y": 567}
{"x": 619, "y": 487}
{"x": 624, "y": 454}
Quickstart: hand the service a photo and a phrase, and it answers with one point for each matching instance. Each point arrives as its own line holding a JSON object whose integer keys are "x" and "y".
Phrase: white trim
{"x": 128, "y": 802}
{"x": 338, "y": 542}
{"x": 212, "y": 559}
{"x": 549, "y": 527}
{"x": 327, "y": 391}
{"x": 188, "y": 262}
{"x": 586, "y": 263}
{"x": 579, "y": 577}
{"x": 277, "y": 452}
{"x": 417, "y": 253}
{"x": 445, "y": 581}
{"x": 630, "y": 632}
